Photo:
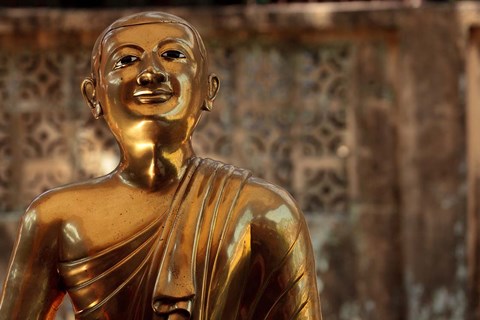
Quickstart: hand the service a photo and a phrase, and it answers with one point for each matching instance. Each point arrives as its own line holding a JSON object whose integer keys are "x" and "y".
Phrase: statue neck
{"x": 152, "y": 166}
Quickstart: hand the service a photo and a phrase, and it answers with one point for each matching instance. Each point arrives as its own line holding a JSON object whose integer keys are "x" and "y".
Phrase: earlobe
{"x": 212, "y": 90}
{"x": 88, "y": 93}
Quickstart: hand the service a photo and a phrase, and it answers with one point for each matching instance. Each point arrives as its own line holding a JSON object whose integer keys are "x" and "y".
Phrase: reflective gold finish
{"x": 166, "y": 235}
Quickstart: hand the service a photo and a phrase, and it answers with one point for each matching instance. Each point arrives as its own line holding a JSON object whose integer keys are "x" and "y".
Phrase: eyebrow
{"x": 126, "y": 45}
{"x": 169, "y": 40}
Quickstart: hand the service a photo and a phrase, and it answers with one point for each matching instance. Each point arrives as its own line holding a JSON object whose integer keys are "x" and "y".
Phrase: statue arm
{"x": 299, "y": 261}
{"x": 283, "y": 255}
{"x": 32, "y": 289}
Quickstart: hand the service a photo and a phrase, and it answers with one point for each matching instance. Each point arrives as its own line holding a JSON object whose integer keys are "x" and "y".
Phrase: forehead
{"x": 148, "y": 36}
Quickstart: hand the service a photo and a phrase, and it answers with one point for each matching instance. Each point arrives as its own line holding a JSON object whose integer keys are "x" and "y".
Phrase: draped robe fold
{"x": 193, "y": 262}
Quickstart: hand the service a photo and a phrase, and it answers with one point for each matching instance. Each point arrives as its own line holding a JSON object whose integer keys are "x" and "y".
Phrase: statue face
{"x": 152, "y": 76}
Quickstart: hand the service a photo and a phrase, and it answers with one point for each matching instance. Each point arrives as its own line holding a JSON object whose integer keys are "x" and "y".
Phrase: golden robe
{"x": 216, "y": 254}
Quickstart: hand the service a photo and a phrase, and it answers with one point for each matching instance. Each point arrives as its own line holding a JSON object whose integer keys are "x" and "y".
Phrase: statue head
{"x": 150, "y": 77}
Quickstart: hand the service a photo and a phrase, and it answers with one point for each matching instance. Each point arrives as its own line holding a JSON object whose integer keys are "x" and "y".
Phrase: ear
{"x": 212, "y": 90}
{"x": 88, "y": 93}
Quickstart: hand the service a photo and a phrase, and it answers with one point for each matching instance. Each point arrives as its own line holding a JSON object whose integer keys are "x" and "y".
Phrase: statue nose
{"x": 150, "y": 76}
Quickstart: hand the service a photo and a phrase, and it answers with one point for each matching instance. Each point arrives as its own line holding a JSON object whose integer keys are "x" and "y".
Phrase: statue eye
{"x": 125, "y": 61}
{"x": 173, "y": 54}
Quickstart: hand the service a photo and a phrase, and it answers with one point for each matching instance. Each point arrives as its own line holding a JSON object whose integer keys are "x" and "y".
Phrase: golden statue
{"x": 166, "y": 235}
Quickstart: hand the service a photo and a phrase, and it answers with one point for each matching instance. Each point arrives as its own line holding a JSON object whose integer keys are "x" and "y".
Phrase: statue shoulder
{"x": 55, "y": 204}
{"x": 276, "y": 216}
{"x": 43, "y": 219}
{"x": 270, "y": 201}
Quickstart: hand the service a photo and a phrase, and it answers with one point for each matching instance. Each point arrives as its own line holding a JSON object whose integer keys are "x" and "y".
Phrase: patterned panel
{"x": 321, "y": 144}
{"x": 44, "y": 134}
{"x": 325, "y": 190}
{"x": 34, "y": 125}
{"x": 283, "y": 114}
{"x": 264, "y": 112}
{"x": 323, "y": 86}
{"x": 45, "y": 156}
{"x": 40, "y": 78}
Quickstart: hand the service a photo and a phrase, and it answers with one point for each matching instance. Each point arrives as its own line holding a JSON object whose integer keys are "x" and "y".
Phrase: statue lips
{"x": 148, "y": 96}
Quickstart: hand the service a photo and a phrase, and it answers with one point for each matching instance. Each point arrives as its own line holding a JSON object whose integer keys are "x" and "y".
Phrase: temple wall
{"x": 359, "y": 110}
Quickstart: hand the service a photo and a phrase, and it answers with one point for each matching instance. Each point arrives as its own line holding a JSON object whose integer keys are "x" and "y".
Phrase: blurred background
{"x": 365, "y": 111}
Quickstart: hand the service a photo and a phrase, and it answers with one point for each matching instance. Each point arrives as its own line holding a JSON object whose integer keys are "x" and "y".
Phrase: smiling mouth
{"x": 153, "y": 96}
